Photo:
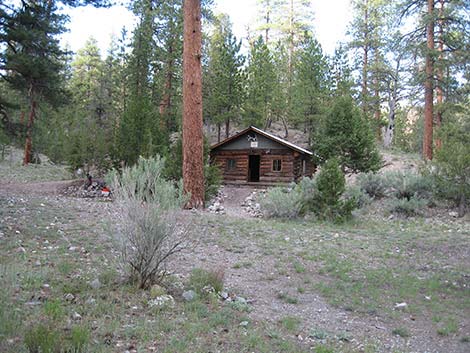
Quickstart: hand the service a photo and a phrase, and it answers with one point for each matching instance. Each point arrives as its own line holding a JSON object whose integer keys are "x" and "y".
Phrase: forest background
{"x": 405, "y": 66}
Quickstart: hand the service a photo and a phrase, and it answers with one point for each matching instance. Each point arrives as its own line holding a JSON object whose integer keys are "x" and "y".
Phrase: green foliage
{"x": 341, "y": 79}
{"x": 203, "y": 281}
{"x": 32, "y": 56}
{"x": 290, "y": 323}
{"x": 452, "y": 163}
{"x": 346, "y": 135}
{"x": 79, "y": 339}
{"x": 330, "y": 184}
{"x": 357, "y": 196}
{"x": 42, "y": 338}
{"x": 225, "y": 78}
{"x": 53, "y": 309}
{"x": 307, "y": 189}
{"x": 401, "y": 331}
{"x": 374, "y": 185}
{"x": 408, "y": 184}
{"x": 407, "y": 207}
{"x": 139, "y": 133}
{"x": 145, "y": 182}
{"x": 261, "y": 82}
{"x": 148, "y": 229}
{"x": 281, "y": 202}
{"x": 174, "y": 166}
{"x": 325, "y": 196}
{"x": 212, "y": 181}
{"x": 311, "y": 85}
{"x": 45, "y": 338}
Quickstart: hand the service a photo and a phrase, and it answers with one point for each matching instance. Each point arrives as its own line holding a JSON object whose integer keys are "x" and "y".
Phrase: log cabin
{"x": 254, "y": 156}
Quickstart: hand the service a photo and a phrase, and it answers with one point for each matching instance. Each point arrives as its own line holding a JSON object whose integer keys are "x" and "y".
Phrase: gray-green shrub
{"x": 280, "y": 202}
{"x": 148, "y": 230}
{"x": 307, "y": 189}
{"x": 407, "y": 207}
{"x": 373, "y": 184}
{"x": 451, "y": 167}
{"x": 408, "y": 184}
{"x": 357, "y": 195}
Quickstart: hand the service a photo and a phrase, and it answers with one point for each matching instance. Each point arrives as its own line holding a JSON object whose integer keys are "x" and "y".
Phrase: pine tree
{"x": 450, "y": 21}
{"x": 341, "y": 76}
{"x": 193, "y": 148}
{"x": 32, "y": 61}
{"x": 311, "y": 86}
{"x": 368, "y": 30}
{"x": 167, "y": 84}
{"x": 261, "y": 82}
{"x": 345, "y": 134}
{"x": 140, "y": 126}
{"x": 225, "y": 77}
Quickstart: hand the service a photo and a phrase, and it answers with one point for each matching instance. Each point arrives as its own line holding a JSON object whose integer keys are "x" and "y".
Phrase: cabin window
{"x": 231, "y": 164}
{"x": 277, "y": 166}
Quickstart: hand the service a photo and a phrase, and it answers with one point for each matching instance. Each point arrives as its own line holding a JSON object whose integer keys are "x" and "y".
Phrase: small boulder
{"x": 224, "y": 295}
{"x": 244, "y": 323}
{"x": 401, "y": 306}
{"x": 76, "y": 316}
{"x": 95, "y": 284}
{"x": 189, "y": 295}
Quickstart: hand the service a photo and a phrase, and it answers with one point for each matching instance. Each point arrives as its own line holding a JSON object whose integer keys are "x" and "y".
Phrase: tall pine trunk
{"x": 28, "y": 146}
{"x": 193, "y": 160}
{"x": 440, "y": 72}
{"x": 227, "y": 128}
{"x": 428, "y": 85}
{"x": 365, "y": 58}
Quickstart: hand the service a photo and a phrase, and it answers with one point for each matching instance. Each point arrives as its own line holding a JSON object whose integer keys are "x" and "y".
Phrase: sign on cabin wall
{"x": 251, "y": 140}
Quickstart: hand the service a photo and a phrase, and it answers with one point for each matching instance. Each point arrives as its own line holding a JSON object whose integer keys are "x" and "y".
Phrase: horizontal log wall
{"x": 286, "y": 174}
{"x": 241, "y": 157}
{"x": 240, "y": 172}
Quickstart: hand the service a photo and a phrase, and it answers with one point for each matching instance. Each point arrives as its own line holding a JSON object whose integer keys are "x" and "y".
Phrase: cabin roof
{"x": 267, "y": 135}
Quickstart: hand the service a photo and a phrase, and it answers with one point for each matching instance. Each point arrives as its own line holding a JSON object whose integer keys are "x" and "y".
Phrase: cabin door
{"x": 253, "y": 168}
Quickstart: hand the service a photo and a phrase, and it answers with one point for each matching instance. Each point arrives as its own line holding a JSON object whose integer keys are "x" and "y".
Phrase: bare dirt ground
{"x": 259, "y": 260}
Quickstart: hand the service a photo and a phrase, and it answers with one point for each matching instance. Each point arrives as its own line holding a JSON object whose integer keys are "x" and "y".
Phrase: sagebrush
{"x": 148, "y": 216}
{"x": 280, "y": 202}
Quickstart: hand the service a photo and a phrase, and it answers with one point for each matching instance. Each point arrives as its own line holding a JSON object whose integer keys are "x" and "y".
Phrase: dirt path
{"x": 233, "y": 198}
{"x": 48, "y": 188}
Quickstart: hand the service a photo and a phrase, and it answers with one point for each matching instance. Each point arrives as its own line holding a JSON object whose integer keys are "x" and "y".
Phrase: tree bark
{"x": 28, "y": 146}
{"x": 392, "y": 106}
{"x": 462, "y": 204}
{"x": 193, "y": 162}
{"x": 440, "y": 72}
{"x": 365, "y": 57}
{"x": 429, "y": 86}
{"x": 227, "y": 128}
{"x": 388, "y": 134}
